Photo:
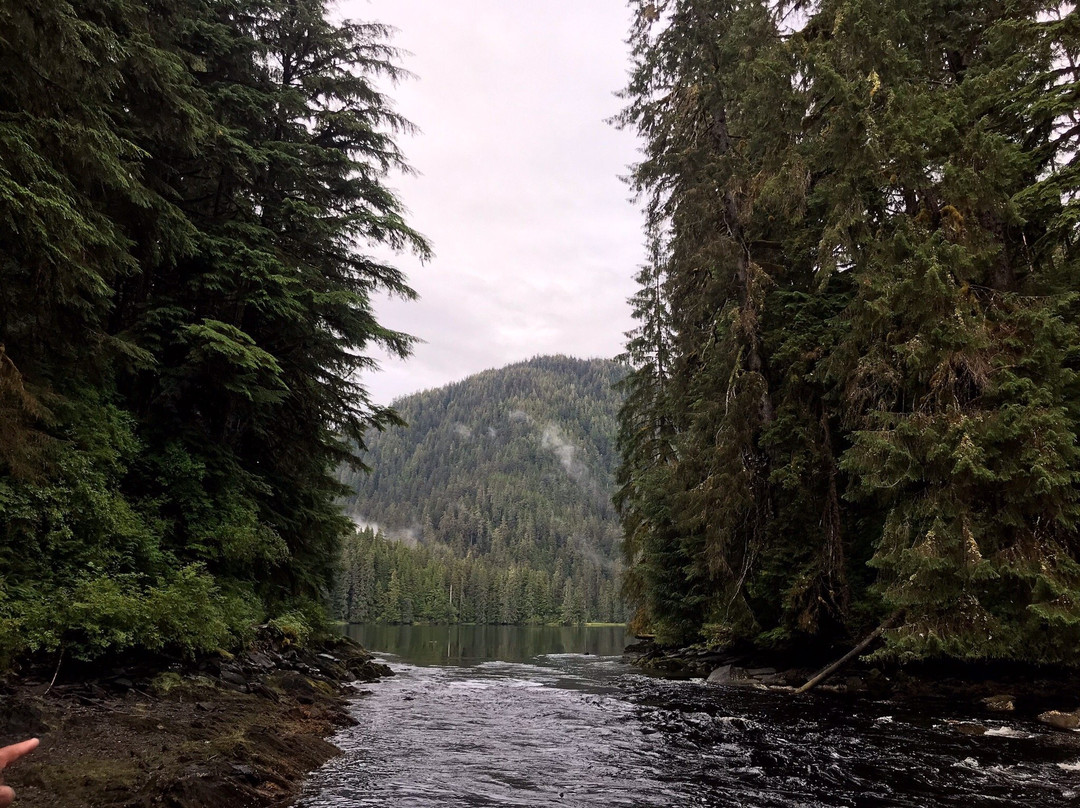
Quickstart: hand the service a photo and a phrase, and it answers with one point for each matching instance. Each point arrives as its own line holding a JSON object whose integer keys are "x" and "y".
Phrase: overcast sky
{"x": 536, "y": 242}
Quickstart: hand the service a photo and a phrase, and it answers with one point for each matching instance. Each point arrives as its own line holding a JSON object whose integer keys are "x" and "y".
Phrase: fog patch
{"x": 363, "y": 524}
{"x": 519, "y": 415}
{"x": 553, "y": 439}
{"x": 404, "y": 535}
{"x": 462, "y": 430}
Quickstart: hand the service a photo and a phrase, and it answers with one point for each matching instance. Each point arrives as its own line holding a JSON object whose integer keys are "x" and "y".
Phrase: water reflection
{"x": 470, "y": 645}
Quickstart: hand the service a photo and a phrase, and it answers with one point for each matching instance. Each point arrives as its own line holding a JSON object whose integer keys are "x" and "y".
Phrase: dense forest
{"x": 854, "y": 396}
{"x": 188, "y": 194}
{"x": 493, "y": 504}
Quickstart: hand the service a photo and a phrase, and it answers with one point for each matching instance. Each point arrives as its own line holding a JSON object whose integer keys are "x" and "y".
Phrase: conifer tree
{"x": 713, "y": 174}
{"x": 188, "y": 193}
{"x": 956, "y": 370}
{"x": 880, "y": 419}
{"x": 258, "y": 332}
{"x": 646, "y": 442}
{"x": 82, "y": 563}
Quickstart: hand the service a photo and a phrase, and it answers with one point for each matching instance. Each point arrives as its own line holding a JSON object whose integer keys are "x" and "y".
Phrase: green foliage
{"x": 301, "y": 621}
{"x": 188, "y": 195}
{"x": 388, "y": 581}
{"x": 98, "y": 612}
{"x": 503, "y": 481}
{"x": 854, "y": 384}
{"x": 294, "y": 627}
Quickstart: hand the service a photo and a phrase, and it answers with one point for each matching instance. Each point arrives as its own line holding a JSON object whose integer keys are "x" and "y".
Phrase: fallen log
{"x": 850, "y": 655}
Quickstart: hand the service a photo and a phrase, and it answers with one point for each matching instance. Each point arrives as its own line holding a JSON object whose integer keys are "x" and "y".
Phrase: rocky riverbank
{"x": 225, "y": 732}
{"x": 1051, "y": 696}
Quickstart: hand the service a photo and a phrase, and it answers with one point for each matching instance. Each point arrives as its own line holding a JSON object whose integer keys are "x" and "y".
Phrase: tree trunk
{"x": 854, "y": 652}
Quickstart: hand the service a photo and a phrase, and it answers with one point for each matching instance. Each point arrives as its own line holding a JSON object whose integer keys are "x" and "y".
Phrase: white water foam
{"x": 1008, "y": 732}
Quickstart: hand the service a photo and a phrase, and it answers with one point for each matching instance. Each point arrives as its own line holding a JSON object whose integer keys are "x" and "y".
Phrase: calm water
{"x": 508, "y": 716}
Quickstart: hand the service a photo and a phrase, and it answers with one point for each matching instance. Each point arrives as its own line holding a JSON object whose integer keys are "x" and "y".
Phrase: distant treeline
{"x": 505, "y": 480}
{"x": 855, "y": 394}
{"x": 189, "y": 192}
{"x": 388, "y": 581}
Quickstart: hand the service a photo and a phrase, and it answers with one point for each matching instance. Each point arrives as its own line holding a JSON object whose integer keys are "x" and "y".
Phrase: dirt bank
{"x": 232, "y": 732}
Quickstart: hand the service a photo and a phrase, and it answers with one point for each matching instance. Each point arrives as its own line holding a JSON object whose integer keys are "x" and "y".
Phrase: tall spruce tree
{"x": 81, "y": 560}
{"x": 654, "y": 558}
{"x": 66, "y": 163}
{"x": 188, "y": 192}
{"x": 884, "y": 420}
{"x": 957, "y": 370}
{"x": 712, "y": 94}
{"x": 259, "y": 331}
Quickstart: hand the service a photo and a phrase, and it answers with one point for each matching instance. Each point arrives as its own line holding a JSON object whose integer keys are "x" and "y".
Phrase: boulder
{"x": 233, "y": 676}
{"x": 878, "y": 684}
{"x": 329, "y": 667}
{"x": 22, "y": 718}
{"x": 246, "y": 772}
{"x": 370, "y": 671}
{"x": 260, "y": 662}
{"x": 722, "y": 675}
{"x": 731, "y": 675}
{"x": 970, "y": 728}
{"x": 855, "y": 684}
{"x": 1061, "y": 720}
{"x": 1000, "y": 704}
{"x": 295, "y": 685}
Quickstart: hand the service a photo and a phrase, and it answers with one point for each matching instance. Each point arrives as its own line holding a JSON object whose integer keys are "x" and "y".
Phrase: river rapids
{"x": 586, "y": 729}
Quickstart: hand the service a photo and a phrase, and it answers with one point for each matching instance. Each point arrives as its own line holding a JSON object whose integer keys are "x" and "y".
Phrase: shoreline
{"x": 1051, "y": 696}
{"x": 222, "y": 732}
{"x": 246, "y": 731}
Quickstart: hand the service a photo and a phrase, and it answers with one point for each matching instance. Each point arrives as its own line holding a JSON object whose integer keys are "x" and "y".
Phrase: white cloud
{"x": 535, "y": 241}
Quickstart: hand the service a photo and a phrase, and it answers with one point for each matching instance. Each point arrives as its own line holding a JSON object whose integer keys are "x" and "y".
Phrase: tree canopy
{"x": 191, "y": 194}
{"x": 854, "y": 389}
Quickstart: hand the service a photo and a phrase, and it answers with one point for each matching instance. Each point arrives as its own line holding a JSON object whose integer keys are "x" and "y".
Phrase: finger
{"x": 6, "y": 796}
{"x": 9, "y": 754}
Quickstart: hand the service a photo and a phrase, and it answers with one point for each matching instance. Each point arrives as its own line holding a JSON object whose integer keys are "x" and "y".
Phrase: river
{"x": 513, "y": 716}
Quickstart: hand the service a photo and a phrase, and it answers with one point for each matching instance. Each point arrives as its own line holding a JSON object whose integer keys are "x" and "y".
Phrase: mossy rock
{"x": 165, "y": 683}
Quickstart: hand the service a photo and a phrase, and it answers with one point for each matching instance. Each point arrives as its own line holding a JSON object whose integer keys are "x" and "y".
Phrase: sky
{"x": 518, "y": 188}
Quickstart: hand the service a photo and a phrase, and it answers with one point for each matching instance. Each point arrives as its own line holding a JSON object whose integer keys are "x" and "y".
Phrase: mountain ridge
{"x": 508, "y": 470}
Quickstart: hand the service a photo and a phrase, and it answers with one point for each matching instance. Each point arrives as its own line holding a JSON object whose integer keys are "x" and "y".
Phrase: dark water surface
{"x": 509, "y": 716}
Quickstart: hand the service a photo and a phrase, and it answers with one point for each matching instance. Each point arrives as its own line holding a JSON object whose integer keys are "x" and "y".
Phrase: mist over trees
{"x": 494, "y": 503}
{"x": 188, "y": 194}
{"x": 854, "y": 390}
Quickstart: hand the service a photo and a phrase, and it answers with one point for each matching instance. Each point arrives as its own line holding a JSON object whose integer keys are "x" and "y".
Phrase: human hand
{"x": 8, "y": 755}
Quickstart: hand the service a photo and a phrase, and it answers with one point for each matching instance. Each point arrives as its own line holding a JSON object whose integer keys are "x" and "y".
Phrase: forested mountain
{"x": 499, "y": 488}
{"x": 854, "y": 393}
{"x": 188, "y": 191}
